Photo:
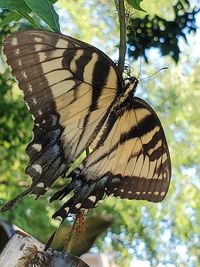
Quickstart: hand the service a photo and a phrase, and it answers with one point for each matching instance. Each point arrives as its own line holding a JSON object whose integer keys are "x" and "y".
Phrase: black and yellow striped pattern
{"x": 79, "y": 100}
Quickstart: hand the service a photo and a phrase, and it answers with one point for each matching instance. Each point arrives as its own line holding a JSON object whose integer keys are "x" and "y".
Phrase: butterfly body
{"x": 79, "y": 100}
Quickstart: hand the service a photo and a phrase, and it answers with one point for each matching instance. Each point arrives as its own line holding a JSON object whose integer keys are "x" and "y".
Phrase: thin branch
{"x": 68, "y": 242}
{"x": 122, "y": 45}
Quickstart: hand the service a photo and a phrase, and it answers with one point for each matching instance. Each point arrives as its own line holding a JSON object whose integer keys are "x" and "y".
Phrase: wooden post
{"x": 23, "y": 250}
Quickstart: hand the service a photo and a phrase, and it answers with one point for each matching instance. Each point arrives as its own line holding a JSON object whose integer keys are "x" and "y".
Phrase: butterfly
{"x": 79, "y": 100}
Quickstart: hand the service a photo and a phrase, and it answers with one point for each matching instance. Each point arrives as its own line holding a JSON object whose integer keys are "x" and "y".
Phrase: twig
{"x": 122, "y": 45}
{"x": 68, "y": 242}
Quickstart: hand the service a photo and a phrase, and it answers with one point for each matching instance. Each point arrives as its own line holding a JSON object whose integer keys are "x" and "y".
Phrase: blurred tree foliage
{"x": 91, "y": 21}
{"x": 161, "y": 33}
{"x": 165, "y": 233}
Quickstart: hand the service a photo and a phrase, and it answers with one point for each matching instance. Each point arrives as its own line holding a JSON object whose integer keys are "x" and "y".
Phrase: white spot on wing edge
{"x": 66, "y": 209}
{"x": 20, "y": 63}
{"x": 14, "y": 41}
{"x": 24, "y": 75}
{"x": 92, "y": 198}
{"x": 38, "y": 39}
{"x": 37, "y": 147}
{"x": 27, "y": 106}
{"x": 78, "y": 205}
{"x": 37, "y": 168}
{"x": 30, "y": 88}
{"x": 17, "y": 51}
{"x": 41, "y": 185}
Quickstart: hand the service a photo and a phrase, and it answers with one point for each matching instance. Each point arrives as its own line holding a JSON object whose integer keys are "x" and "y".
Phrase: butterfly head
{"x": 131, "y": 85}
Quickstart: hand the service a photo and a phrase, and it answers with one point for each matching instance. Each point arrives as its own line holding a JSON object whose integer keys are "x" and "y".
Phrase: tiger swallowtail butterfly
{"x": 79, "y": 100}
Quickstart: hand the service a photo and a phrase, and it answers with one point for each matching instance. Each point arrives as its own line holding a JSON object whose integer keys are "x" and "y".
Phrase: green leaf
{"x": 32, "y": 21}
{"x": 14, "y": 5}
{"x": 45, "y": 10}
{"x": 11, "y": 16}
{"x": 136, "y": 4}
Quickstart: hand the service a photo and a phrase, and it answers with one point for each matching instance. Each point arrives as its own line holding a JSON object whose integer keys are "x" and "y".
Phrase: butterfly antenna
{"x": 164, "y": 68}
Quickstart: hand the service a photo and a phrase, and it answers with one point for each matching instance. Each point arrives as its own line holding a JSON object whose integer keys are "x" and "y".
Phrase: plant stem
{"x": 67, "y": 246}
{"x": 71, "y": 237}
{"x": 122, "y": 45}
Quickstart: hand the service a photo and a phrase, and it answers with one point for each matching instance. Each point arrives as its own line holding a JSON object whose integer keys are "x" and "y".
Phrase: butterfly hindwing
{"x": 131, "y": 160}
{"x": 134, "y": 156}
{"x": 69, "y": 87}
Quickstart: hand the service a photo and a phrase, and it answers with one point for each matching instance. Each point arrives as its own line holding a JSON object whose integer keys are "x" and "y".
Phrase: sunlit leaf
{"x": 18, "y": 5}
{"x": 45, "y": 10}
{"x": 11, "y": 16}
{"x": 136, "y": 4}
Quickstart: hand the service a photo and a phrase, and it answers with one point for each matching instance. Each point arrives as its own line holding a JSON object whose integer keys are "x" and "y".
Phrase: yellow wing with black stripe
{"x": 130, "y": 160}
{"x": 69, "y": 87}
{"x": 79, "y": 100}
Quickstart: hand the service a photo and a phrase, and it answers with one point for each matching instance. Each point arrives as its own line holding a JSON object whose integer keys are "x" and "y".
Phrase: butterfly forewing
{"x": 69, "y": 87}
